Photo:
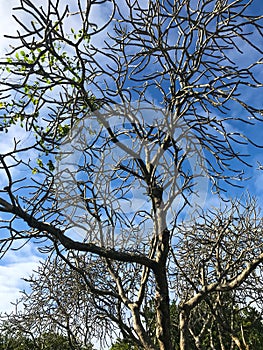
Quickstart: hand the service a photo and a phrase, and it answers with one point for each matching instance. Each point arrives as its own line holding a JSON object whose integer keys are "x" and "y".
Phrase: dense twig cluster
{"x": 125, "y": 118}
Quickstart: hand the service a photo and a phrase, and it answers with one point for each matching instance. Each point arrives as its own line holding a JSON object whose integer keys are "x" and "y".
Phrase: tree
{"x": 20, "y": 343}
{"x": 43, "y": 342}
{"x": 215, "y": 257}
{"x": 130, "y": 121}
{"x": 247, "y": 323}
{"x": 58, "y": 310}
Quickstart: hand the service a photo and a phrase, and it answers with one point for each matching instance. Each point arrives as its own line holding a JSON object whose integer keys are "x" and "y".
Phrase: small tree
{"x": 58, "y": 309}
{"x": 44, "y": 342}
{"x": 216, "y": 256}
{"x": 127, "y": 134}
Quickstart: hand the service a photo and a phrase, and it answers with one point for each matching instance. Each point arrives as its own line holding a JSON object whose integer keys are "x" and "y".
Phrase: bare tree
{"x": 217, "y": 265}
{"x": 130, "y": 120}
{"x": 59, "y": 302}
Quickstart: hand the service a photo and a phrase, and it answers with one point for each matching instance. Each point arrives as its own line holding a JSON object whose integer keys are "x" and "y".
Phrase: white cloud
{"x": 7, "y": 24}
{"x": 13, "y": 267}
{"x": 16, "y": 264}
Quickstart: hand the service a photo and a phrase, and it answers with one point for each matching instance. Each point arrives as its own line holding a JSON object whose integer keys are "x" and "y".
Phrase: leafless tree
{"x": 59, "y": 302}
{"x": 132, "y": 109}
{"x": 217, "y": 264}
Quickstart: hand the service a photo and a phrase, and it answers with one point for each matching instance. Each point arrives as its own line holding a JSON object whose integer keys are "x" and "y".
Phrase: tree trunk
{"x": 163, "y": 321}
{"x": 183, "y": 326}
{"x": 139, "y": 329}
{"x": 162, "y": 301}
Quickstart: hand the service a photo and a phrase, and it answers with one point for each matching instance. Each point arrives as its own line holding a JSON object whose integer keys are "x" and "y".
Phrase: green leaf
{"x": 50, "y": 165}
{"x": 63, "y": 130}
{"x": 39, "y": 163}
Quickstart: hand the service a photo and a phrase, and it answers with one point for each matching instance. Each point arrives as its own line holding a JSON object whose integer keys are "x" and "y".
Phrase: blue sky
{"x": 17, "y": 264}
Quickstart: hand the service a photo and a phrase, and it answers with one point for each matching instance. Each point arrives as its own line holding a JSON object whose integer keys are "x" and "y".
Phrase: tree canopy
{"x": 126, "y": 115}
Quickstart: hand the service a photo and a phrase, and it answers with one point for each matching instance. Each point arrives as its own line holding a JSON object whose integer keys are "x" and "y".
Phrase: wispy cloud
{"x": 7, "y": 24}
{"x": 13, "y": 267}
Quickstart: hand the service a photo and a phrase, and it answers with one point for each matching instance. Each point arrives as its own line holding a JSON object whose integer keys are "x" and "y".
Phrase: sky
{"x": 21, "y": 263}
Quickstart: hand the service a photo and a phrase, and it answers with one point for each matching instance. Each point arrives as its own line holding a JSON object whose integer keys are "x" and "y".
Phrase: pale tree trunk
{"x": 144, "y": 338}
{"x": 183, "y": 327}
